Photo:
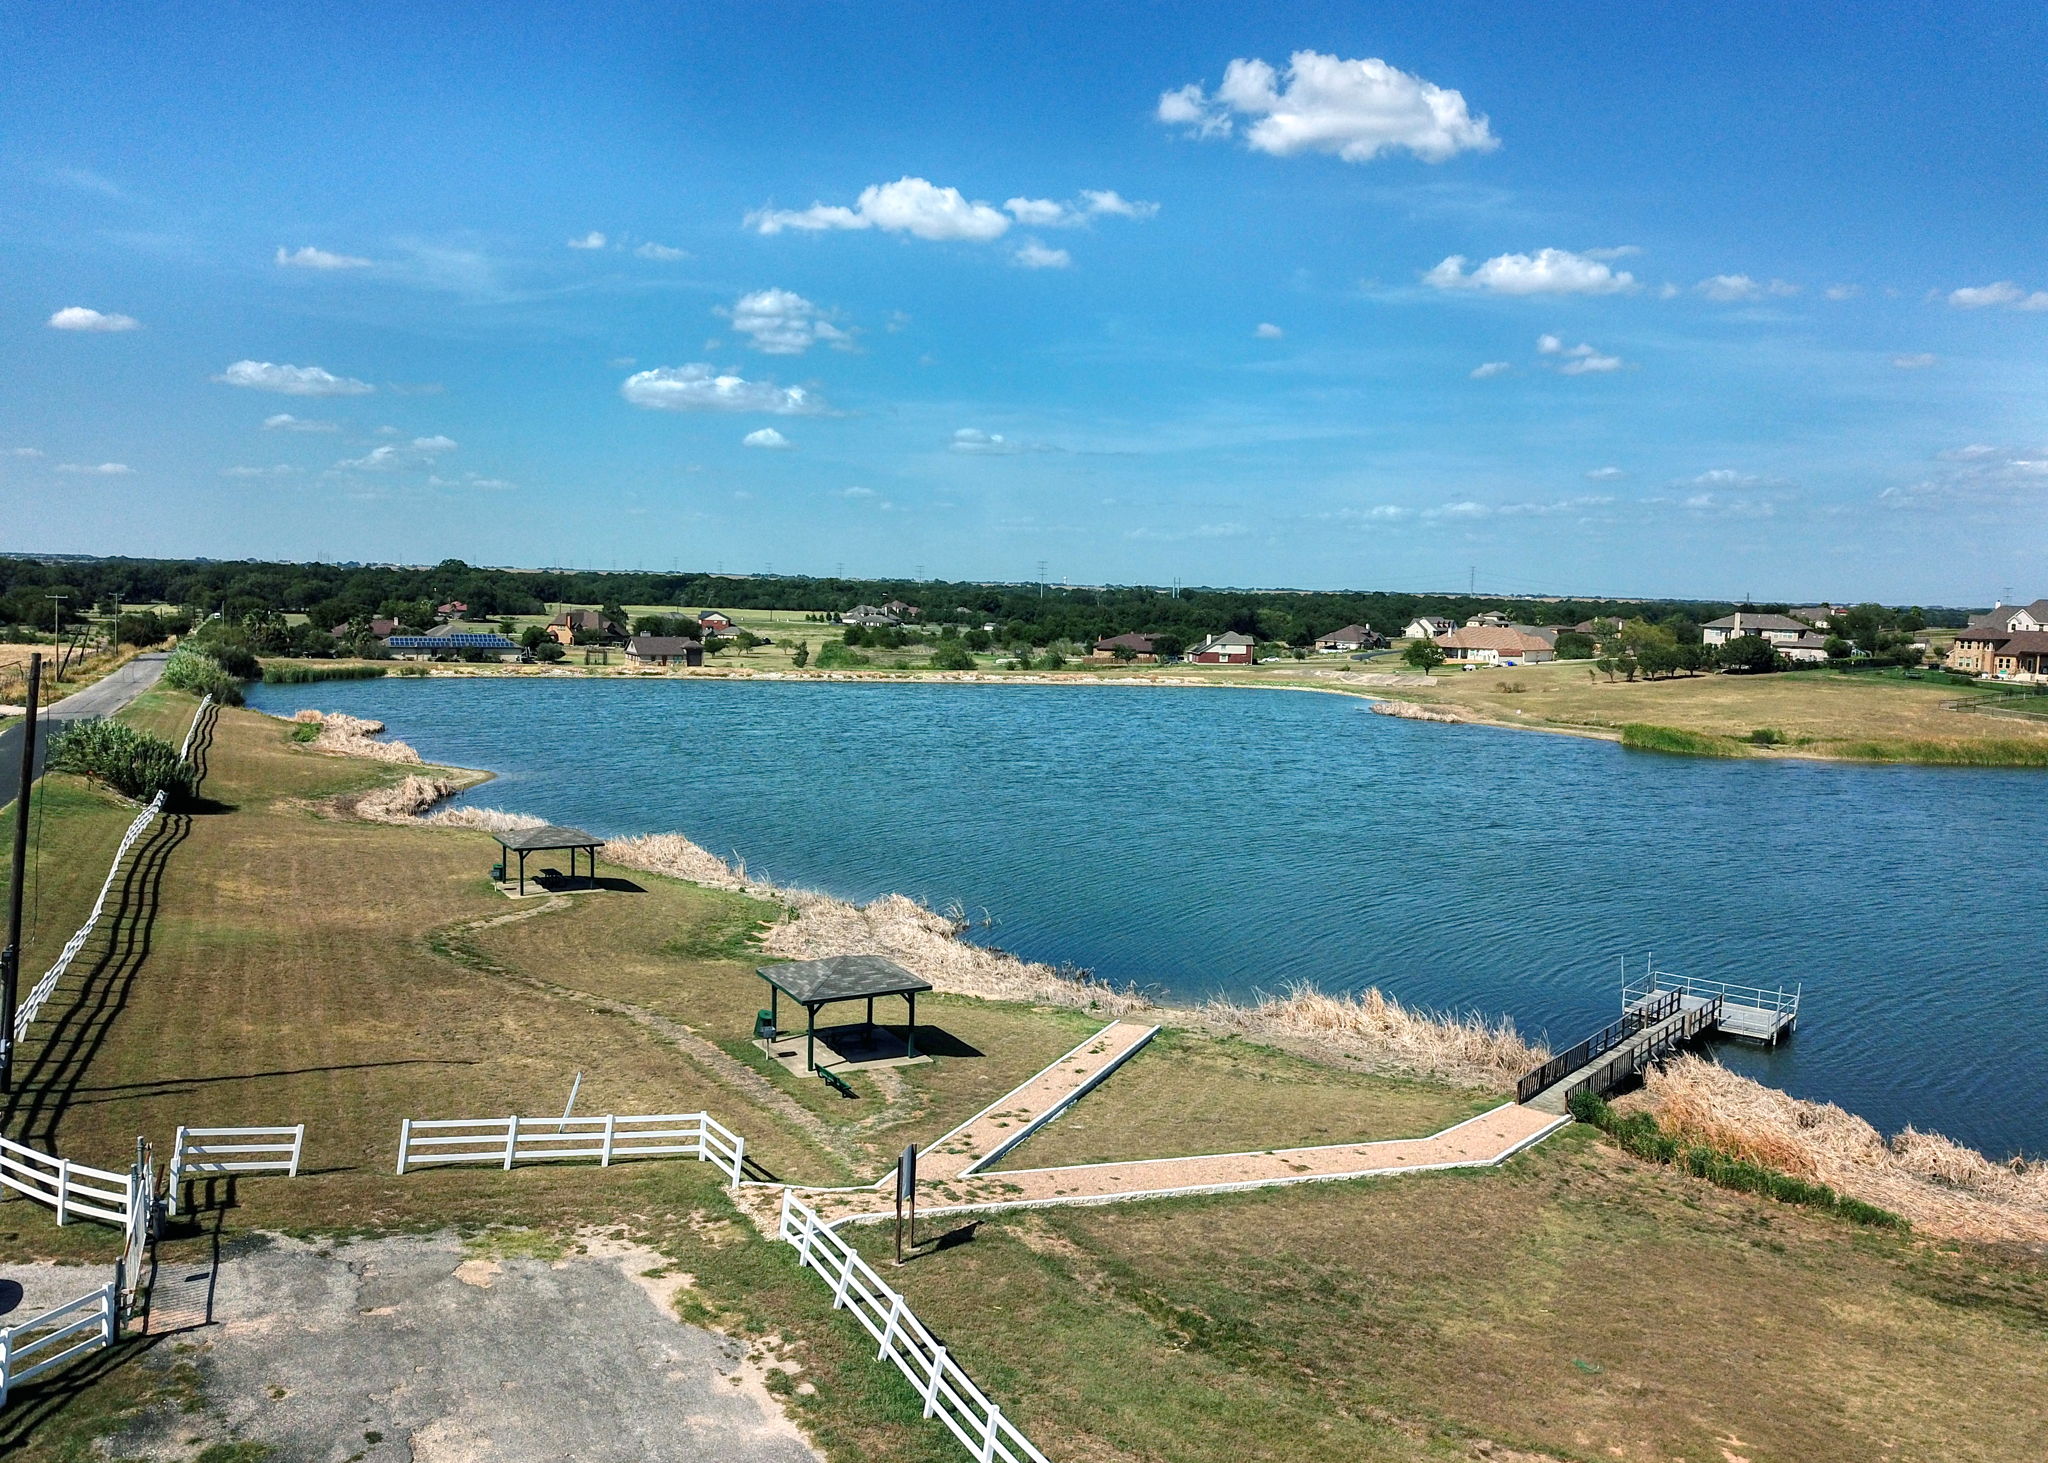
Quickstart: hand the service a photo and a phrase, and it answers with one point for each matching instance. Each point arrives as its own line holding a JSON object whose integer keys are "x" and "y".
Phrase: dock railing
{"x": 1654, "y": 983}
{"x": 1634, "y": 1018}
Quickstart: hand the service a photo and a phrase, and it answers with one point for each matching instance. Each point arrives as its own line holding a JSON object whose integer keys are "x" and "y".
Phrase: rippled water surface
{"x": 1228, "y": 841}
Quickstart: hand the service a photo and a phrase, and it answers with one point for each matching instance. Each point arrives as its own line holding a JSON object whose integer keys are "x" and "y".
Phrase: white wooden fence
{"x": 506, "y": 1141}
{"x": 56, "y": 1336}
{"x": 32, "y": 1005}
{"x": 74, "y": 1189}
{"x": 948, "y": 1393}
{"x": 199, "y": 1152}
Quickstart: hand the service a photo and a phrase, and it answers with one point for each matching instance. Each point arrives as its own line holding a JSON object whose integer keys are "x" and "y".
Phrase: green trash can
{"x": 498, "y": 872}
{"x": 764, "y": 1026}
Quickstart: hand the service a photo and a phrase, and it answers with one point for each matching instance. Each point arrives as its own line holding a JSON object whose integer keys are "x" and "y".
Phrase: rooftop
{"x": 534, "y": 840}
{"x": 842, "y": 978}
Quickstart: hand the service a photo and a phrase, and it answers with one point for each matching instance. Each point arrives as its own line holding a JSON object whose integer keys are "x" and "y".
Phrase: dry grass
{"x": 354, "y": 736}
{"x": 1941, "y": 1186}
{"x": 1470, "y": 1050}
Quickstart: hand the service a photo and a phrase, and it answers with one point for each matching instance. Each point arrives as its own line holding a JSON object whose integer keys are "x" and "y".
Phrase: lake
{"x": 1203, "y": 841}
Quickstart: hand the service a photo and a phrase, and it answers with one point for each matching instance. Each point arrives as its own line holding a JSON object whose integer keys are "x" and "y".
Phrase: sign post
{"x": 10, "y": 955}
{"x": 906, "y": 1193}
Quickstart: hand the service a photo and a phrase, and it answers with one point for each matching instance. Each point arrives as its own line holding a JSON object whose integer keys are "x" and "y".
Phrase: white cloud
{"x": 1578, "y": 360}
{"x": 1843, "y": 291}
{"x": 1354, "y": 109}
{"x": 284, "y": 421}
{"x": 292, "y": 380}
{"x": 987, "y": 444}
{"x": 1546, "y": 272}
{"x": 667, "y": 255}
{"x": 102, "y": 469}
{"x": 1268, "y": 331}
{"x": 1992, "y": 482}
{"x": 22, "y": 452}
{"x": 2004, "y": 293}
{"x": 1974, "y": 452}
{"x": 1605, "y": 474}
{"x": 470, "y": 480}
{"x": 1033, "y": 255}
{"x": 907, "y": 206}
{"x": 1487, "y": 370}
{"x": 311, "y": 258}
{"x": 419, "y": 452}
{"x": 1918, "y": 361}
{"x": 697, "y": 387}
{"x": 857, "y": 493}
{"x": 1615, "y": 251}
{"x": 1731, "y": 288}
{"x": 591, "y": 240}
{"x": 281, "y": 470}
{"x": 768, "y": 438}
{"x": 77, "y": 317}
{"x": 784, "y": 323}
{"x": 1093, "y": 203}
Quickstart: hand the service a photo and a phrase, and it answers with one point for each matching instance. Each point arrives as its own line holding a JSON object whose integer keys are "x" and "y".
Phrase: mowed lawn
{"x": 1575, "y": 1304}
{"x": 1823, "y": 712}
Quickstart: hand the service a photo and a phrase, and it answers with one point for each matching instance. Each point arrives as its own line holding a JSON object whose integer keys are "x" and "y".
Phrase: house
{"x": 1351, "y": 637}
{"x": 2002, "y": 643}
{"x": 1229, "y": 648}
{"x": 1819, "y": 616}
{"x": 1812, "y": 646}
{"x": 869, "y": 617}
{"x": 564, "y": 628}
{"x": 1140, "y": 646}
{"x": 715, "y": 622}
{"x": 1780, "y": 630}
{"x": 379, "y": 627}
{"x": 1488, "y": 620}
{"x": 1494, "y": 645}
{"x": 455, "y": 609}
{"x": 1597, "y": 626}
{"x": 1428, "y": 627}
{"x": 449, "y": 642}
{"x": 1546, "y": 633}
{"x": 647, "y": 650}
{"x": 901, "y": 610}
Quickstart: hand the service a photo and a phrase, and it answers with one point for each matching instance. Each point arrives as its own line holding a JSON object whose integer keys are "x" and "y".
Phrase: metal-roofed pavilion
{"x": 815, "y": 983}
{"x": 551, "y": 839}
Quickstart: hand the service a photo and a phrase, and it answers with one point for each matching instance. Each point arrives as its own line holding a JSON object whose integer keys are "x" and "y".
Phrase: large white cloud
{"x": 1355, "y": 109}
{"x": 1546, "y": 272}
{"x": 784, "y": 323}
{"x": 697, "y": 387}
{"x": 907, "y": 206}
{"x": 292, "y": 380}
{"x": 77, "y": 317}
{"x": 1987, "y": 296}
{"x": 311, "y": 258}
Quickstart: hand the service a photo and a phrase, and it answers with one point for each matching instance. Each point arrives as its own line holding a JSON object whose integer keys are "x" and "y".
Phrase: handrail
{"x": 1608, "y": 1037}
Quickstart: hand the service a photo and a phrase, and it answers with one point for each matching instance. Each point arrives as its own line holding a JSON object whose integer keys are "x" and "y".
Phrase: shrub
{"x": 833, "y": 655}
{"x": 951, "y": 656}
{"x": 142, "y": 627}
{"x": 1765, "y": 736}
{"x": 132, "y": 763}
{"x": 202, "y": 675}
{"x": 412, "y": 668}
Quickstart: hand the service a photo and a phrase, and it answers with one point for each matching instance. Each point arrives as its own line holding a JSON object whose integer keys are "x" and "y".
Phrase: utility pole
{"x": 10, "y": 955}
{"x": 1471, "y": 579}
{"x": 1041, "y": 579}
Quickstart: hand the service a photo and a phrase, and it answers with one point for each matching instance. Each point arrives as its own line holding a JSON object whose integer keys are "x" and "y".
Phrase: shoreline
{"x": 1378, "y": 688}
{"x": 1938, "y": 1184}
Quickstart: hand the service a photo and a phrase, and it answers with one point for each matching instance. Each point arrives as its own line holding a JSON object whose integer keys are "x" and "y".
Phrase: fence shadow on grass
{"x": 88, "y": 1096}
{"x": 31, "y": 1406}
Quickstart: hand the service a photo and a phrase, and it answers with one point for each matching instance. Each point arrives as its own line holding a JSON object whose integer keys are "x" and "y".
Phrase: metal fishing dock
{"x": 1660, "y": 1012}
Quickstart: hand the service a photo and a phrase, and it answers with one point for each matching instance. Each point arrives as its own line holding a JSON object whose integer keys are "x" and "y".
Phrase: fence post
{"x": 404, "y": 1142}
{"x": 6, "y": 1362}
{"x": 889, "y": 1326}
{"x": 782, "y": 1223}
{"x": 931, "y": 1386}
{"x": 610, "y": 1126}
{"x": 988, "y": 1430}
{"x": 110, "y": 1310}
{"x": 839, "y": 1286}
{"x": 298, "y": 1146}
{"x": 739, "y": 1158}
{"x": 177, "y": 1168}
{"x": 63, "y": 1190}
{"x": 511, "y": 1139}
{"x": 803, "y": 1247}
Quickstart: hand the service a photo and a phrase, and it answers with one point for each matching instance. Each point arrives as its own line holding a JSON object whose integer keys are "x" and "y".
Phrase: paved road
{"x": 103, "y": 697}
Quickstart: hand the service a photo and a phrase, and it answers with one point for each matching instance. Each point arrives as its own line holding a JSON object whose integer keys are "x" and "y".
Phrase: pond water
{"x": 1205, "y": 841}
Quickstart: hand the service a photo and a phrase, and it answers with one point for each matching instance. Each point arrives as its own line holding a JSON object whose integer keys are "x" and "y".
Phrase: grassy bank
{"x": 1646, "y": 738}
{"x": 290, "y": 964}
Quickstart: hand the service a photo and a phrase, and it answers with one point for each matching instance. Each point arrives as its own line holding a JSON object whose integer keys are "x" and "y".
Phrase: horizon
{"x": 1598, "y": 305}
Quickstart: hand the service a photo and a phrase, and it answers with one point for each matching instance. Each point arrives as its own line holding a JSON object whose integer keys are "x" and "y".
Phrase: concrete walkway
{"x": 953, "y": 1174}
{"x": 103, "y": 697}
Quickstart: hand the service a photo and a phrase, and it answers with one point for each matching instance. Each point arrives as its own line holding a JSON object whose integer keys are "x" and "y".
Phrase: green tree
{"x": 1571, "y": 645}
{"x": 802, "y": 657}
{"x": 1424, "y": 655}
{"x": 1750, "y": 655}
{"x": 1838, "y": 648}
{"x": 951, "y": 656}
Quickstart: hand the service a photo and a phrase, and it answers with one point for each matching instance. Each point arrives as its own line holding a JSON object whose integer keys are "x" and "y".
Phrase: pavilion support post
{"x": 910, "y": 1032}
{"x": 810, "y": 1037}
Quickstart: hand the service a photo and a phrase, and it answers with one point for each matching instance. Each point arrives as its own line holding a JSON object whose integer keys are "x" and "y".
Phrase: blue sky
{"x": 1599, "y": 299}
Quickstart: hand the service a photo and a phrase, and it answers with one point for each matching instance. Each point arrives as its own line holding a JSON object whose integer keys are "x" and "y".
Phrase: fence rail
{"x": 1765, "y": 998}
{"x": 32, "y": 1004}
{"x": 510, "y": 1140}
{"x": 44, "y": 1342}
{"x": 200, "y": 1152}
{"x": 72, "y": 1189}
{"x": 1605, "y": 1078}
{"x": 946, "y": 1391}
